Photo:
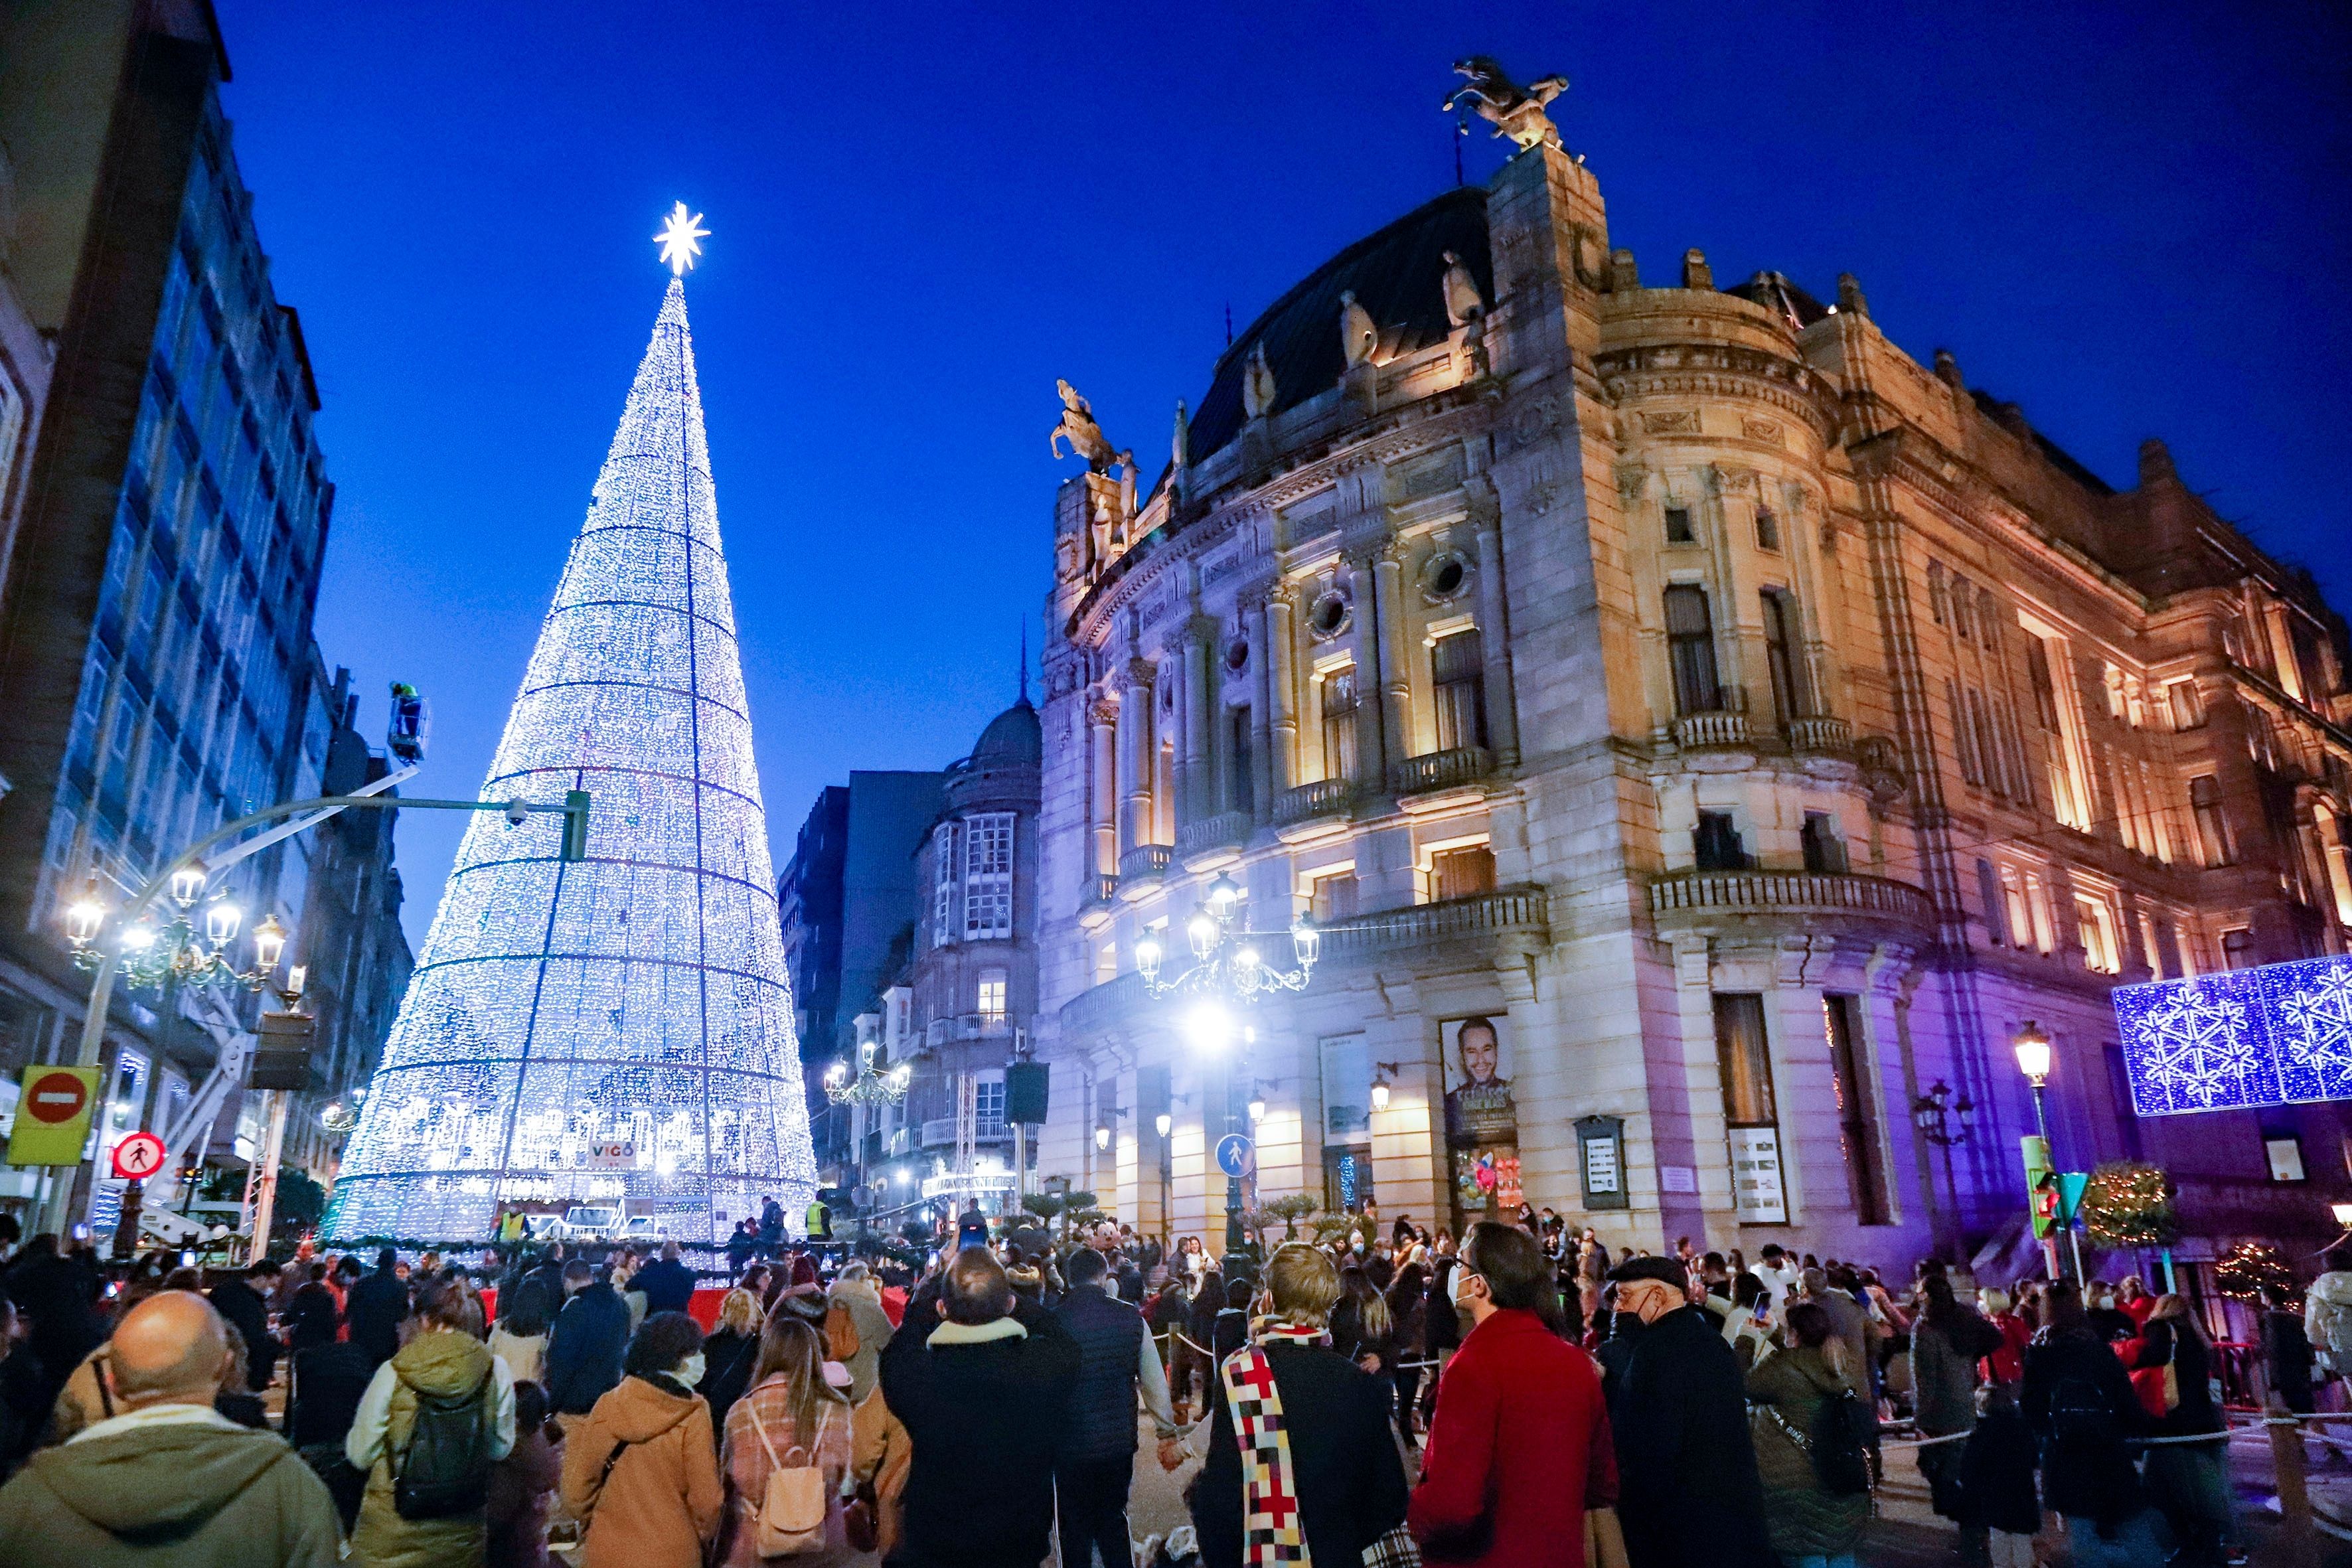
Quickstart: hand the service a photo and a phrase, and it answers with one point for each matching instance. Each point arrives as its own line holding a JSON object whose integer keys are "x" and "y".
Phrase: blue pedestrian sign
{"x": 1234, "y": 1155}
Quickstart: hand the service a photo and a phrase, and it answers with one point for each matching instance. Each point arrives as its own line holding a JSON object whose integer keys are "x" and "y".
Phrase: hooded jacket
{"x": 661, "y": 1500}
{"x": 196, "y": 1493}
{"x": 2327, "y": 1319}
{"x": 442, "y": 1367}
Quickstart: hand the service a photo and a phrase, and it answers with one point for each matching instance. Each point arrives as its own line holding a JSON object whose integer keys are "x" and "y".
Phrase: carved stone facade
{"x": 1752, "y": 726}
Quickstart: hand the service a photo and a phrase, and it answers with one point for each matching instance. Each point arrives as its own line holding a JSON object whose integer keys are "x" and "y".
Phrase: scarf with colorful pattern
{"x": 1271, "y": 1533}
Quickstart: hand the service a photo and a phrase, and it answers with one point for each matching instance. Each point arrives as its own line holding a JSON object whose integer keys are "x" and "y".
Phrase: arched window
{"x": 1690, "y": 650}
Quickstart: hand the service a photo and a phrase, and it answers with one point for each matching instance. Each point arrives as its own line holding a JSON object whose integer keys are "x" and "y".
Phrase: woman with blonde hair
{"x": 1314, "y": 1425}
{"x": 731, "y": 1353}
{"x": 792, "y": 1416}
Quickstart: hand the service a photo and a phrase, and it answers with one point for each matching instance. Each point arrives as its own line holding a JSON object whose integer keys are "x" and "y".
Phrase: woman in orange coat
{"x": 641, "y": 1473}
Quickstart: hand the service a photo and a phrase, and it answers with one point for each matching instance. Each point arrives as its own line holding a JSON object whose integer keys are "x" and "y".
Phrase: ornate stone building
{"x": 1706, "y": 735}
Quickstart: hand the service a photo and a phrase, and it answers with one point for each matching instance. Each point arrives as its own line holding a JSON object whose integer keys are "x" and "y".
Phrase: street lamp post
{"x": 1943, "y": 1122}
{"x": 1229, "y": 974}
{"x": 870, "y": 1090}
{"x": 2031, "y": 1047}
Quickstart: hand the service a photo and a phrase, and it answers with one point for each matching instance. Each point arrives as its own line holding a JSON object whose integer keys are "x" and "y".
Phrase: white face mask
{"x": 689, "y": 1370}
{"x": 1462, "y": 1298}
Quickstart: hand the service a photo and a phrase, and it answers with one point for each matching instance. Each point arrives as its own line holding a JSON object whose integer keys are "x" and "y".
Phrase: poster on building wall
{"x": 1482, "y": 1122}
{"x": 1758, "y": 1194}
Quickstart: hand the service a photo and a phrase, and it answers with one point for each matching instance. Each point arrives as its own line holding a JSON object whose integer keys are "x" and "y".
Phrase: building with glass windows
{"x": 156, "y": 663}
{"x": 1707, "y": 732}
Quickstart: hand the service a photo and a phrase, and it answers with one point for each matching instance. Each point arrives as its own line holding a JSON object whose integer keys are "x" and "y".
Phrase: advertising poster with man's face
{"x": 1482, "y": 1123}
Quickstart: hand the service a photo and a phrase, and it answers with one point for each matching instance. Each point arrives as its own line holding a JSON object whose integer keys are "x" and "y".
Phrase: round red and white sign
{"x": 139, "y": 1155}
{"x": 56, "y": 1097}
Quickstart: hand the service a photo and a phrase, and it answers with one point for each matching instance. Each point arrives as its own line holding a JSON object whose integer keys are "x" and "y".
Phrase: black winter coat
{"x": 1688, "y": 1492}
{"x": 985, "y": 1420}
{"x": 2084, "y": 1473}
{"x": 2192, "y": 1366}
{"x": 373, "y": 1309}
{"x": 1100, "y": 1418}
{"x": 584, "y": 1348}
{"x": 1343, "y": 1458}
{"x": 1997, "y": 1475}
{"x": 668, "y": 1286}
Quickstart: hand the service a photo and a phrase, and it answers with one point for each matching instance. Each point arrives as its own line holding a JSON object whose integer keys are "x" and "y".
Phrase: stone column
{"x": 1262, "y": 786}
{"x": 1136, "y": 757}
{"x": 1396, "y": 675}
{"x": 1103, "y": 720}
{"x": 1282, "y": 699}
{"x": 1196, "y": 701}
{"x": 1494, "y": 639}
{"x": 1370, "y": 749}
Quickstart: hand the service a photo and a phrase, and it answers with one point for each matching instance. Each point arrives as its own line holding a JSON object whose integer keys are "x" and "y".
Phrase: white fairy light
{"x": 639, "y": 997}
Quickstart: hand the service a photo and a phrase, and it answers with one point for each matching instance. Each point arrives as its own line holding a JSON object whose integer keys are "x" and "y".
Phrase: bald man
{"x": 167, "y": 1480}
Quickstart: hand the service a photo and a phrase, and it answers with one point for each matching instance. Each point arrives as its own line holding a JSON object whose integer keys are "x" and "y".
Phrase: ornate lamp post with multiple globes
{"x": 871, "y": 1090}
{"x": 1229, "y": 974}
{"x": 151, "y": 958}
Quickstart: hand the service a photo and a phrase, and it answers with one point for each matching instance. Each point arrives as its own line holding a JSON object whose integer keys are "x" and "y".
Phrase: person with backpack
{"x": 435, "y": 1418}
{"x": 1812, "y": 1442}
{"x": 2079, "y": 1401}
{"x": 790, "y": 1441}
{"x": 641, "y": 1474}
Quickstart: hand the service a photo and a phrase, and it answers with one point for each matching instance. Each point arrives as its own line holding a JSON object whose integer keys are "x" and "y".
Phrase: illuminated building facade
{"x": 1706, "y": 734}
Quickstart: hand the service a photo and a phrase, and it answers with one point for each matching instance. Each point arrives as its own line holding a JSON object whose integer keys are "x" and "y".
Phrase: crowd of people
{"x": 1523, "y": 1398}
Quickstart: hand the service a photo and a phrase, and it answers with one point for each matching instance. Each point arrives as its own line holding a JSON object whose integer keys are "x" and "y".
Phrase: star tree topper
{"x": 680, "y": 238}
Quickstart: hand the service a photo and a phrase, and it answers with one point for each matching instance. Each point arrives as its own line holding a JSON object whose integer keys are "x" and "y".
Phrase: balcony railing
{"x": 1699, "y": 731}
{"x": 1090, "y": 1010}
{"x": 1223, "y": 831}
{"x": 1145, "y": 860}
{"x": 1481, "y": 914}
{"x": 1105, "y": 886}
{"x": 1820, "y": 732}
{"x": 1692, "y": 893}
{"x": 1440, "y": 770}
{"x": 1324, "y": 797}
{"x": 940, "y": 1132}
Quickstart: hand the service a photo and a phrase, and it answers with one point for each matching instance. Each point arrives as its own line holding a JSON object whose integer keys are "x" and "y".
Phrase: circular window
{"x": 1444, "y": 576}
{"x": 1237, "y": 655}
{"x": 1328, "y": 618}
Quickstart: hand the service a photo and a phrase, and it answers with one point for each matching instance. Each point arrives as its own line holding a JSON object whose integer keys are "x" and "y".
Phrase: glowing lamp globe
{"x": 1200, "y": 931}
{"x": 187, "y": 885}
{"x": 1223, "y": 894}
{"x": 1102, "y": 1136}
{"x": 2033, "y": 1049}
{"x": 1381, "y": 1095}
{"x": 268, "y": 943}
{"x": 1164, "y": 1124}
{"x": 86, "y": 916}
{"x": 222, "y": 921}
{"x": 1147, "y": 956}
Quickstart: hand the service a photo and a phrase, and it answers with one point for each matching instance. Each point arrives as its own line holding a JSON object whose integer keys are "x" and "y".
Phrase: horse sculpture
{"x": 1514, "y": 111}
{"x": 1078, "y": 428}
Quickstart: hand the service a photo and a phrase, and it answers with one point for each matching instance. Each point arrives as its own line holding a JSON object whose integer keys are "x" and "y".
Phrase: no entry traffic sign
{"x": 52, "y": 1116}
{"x": 138, "y": 1156}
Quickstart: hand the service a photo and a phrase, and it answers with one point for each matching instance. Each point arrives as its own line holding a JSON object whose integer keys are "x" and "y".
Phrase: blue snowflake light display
{"x": 617, "y": 1030}
{"x": 2279, "y": 1034}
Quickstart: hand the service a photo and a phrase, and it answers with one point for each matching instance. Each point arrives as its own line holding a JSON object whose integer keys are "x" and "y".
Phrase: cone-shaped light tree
{"x": 618, "y": 1029}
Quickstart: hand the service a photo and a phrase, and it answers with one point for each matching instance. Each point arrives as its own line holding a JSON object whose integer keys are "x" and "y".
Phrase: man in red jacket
{"x": 1519, "y": 1447}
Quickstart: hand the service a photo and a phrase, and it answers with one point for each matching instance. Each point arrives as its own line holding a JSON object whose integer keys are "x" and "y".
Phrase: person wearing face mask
{"x": 641, "y": 1474}
{"x": 1689, "y": 1490}
{"x": 1520, "y": 1413}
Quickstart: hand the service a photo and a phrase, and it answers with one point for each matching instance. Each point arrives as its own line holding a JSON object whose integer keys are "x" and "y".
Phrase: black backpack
{"x": 445, "y": 1468}
{"x": 1845, "y": 1445}
{"x": 2080, "y": 1416}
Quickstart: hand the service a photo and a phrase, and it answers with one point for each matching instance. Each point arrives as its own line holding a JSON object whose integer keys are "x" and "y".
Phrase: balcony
{"x": 1456, "y": 769}
{"x": 1104, "y": 887}
{"x": 1820, "y": 732}
{"x": 1145, "y": 862}
{"x": 1419, "y": 925}
{"x": 1713, "y": 731}
{"x": 1683, "y": 896}
{"x": 1226, "y": 830}
{"x": 940, "y": 1132}
{"x": 1097, "y": 1008}
{"x": 1324, "y": 797}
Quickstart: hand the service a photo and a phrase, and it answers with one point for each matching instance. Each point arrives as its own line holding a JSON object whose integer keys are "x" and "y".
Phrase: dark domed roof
{"x": 1396, "y": 274}
{"x": 1012, "y": 739}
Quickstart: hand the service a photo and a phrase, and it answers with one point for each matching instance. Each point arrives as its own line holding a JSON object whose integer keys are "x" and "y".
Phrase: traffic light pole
{"x": 573, "y": 808}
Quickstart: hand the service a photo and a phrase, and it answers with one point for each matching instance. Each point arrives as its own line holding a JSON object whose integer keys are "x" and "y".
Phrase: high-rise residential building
{"x": 155, "y": 649}
{"x": 847, "y": 902}
{"x": 1706, "y": 735}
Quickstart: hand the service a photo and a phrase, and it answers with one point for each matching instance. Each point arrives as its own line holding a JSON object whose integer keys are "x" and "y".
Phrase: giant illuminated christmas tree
{"x": 617, "y": 1030}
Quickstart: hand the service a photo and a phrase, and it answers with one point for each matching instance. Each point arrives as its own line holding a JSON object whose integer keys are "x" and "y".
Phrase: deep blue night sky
{"x": 2132, "y": 220}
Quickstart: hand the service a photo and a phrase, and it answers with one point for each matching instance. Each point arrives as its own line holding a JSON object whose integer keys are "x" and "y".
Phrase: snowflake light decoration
{"x": 617, "y": 1029}
{"x": 2196, "y": 1045}
{"x": 2309, "y": 1006}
